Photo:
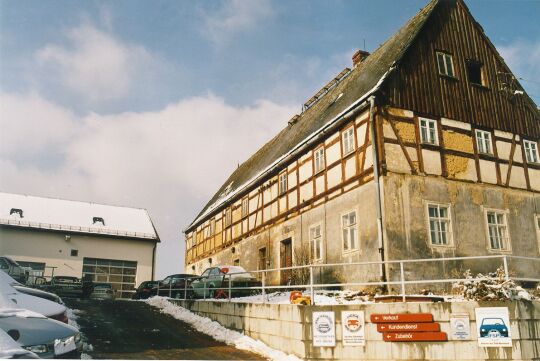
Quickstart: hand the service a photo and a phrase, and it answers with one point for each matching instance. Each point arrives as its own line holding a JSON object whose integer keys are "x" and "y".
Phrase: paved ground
{"x": 135, "y": 330}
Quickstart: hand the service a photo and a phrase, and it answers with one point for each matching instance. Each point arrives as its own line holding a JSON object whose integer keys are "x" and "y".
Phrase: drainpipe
{"x": 377, "y": 186}
{"x": 154, "y": 261}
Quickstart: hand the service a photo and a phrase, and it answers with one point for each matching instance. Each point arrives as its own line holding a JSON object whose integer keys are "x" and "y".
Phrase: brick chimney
{"x": 359, "y": 56}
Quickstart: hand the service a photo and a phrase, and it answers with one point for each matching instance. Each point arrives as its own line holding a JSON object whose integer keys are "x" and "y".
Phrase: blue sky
{"x": 152, "y": 104}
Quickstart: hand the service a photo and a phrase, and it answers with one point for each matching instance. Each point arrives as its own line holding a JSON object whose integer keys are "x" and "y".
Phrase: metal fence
{"x": 402, "y": 275}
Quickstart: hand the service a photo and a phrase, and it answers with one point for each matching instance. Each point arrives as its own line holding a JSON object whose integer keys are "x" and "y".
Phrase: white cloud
{"x": 235, "y": 16}
{"x": 168, "y": 161}
{"x": 523, "y": 58}
{"x": 96, "y": 65}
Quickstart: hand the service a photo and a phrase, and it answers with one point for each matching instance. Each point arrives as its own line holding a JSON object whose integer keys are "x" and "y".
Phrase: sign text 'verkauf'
{"x": 408, "y": 327}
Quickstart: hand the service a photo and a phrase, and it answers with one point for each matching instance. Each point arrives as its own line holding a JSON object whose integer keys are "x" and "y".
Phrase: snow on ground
{"x": 218, "y": 332}
{"x": 346, "y": 297}
{"x": 73, "y": 315}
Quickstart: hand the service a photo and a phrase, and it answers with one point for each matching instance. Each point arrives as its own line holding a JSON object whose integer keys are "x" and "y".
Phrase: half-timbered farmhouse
{"x": 428, "y": 147}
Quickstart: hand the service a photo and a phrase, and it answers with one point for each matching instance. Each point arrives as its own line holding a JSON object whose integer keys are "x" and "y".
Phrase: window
{"x": 319, "y": 159}
{"x": 120, "y": 274}
{"x": 97, "y": 220}
{"x": 315, "y": 237}
{"x": 17, "y": 212}
{"x": 245, "y": 207}
{"x": 440, "y": 231}
{"x": 350, "y": 233}
{"x": 209, "y": 230}
{"x": 483, "y": 141}
{"x": 348, "y": 140}
{"x": 475, "y": 72}
{"x": 74, "y": 253}
{"x": 445, "y": 63}
{"x": 497, "y": 230}
{"x": 236, "y": 262}
{"x": 282, "y": 183}
{"x": 537, "y": 226}
{"x": 428, "y": 131}
{"x": 261, "y": 264}
{"x": 228, "y": 217}
{"x": 531, "y": 151}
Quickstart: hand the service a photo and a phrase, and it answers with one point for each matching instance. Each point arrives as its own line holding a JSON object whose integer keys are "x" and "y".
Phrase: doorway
{"x": 285, "y": 260}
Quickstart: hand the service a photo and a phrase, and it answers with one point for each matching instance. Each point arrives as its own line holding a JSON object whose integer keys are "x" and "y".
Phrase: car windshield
{"x": 492, "y": 321}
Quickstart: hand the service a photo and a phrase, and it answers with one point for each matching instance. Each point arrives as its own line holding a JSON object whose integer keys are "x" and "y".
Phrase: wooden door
{"x": 285, "y": 257}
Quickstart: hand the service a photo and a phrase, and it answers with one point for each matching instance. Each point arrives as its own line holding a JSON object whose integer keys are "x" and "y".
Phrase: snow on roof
{"x": 75, "y": 216}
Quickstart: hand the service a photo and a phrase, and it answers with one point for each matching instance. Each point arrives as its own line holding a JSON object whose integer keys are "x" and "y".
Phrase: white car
{"x": 38, "y": 334}
{"x": 9, "y": 348}
{"x": 36, "y": 304}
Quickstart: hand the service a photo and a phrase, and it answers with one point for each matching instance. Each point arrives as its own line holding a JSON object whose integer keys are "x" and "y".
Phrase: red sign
{"x": 403, "y": 317}
{"x": 414, "y": 336}
{"x": 408, "y": 327}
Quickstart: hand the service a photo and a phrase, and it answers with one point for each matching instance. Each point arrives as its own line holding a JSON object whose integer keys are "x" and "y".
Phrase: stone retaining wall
{"x": 288, "y": 328}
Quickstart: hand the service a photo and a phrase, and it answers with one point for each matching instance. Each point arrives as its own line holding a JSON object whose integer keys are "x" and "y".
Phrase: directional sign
{"x": 411, "y": 327}
{"x": 402, "y": 317}
{"x": 414, "y": 336}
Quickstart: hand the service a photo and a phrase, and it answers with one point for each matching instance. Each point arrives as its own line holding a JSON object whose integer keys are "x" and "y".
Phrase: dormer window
{"x": 98, "y": 220}
{"x": 17, "y": 212}
{"x": 476, "y": 73}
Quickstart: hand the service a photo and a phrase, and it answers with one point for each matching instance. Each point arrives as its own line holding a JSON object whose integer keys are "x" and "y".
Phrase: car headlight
{"x": 504, "y": 329}
{"x": 483, "y": 330}
{"x": 37, "y": 348}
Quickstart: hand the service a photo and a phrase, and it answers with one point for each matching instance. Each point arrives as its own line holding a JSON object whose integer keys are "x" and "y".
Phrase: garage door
{"x": 119, "y": 273}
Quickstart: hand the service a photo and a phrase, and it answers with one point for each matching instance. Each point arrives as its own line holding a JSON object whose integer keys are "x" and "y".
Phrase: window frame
{"x": 508, "y": 245}
{"x": 352, "y": 141}
{"x": 449, "y": 232}
{"x": 445, "y": 56}
{"x": 490, "y": 139}
{"x": 245, "y": 207}
{"x": 481, "y": 69}
{"x": 529, "y": 151}
{"x": 313, "y": 241}
{"x": 228, "y": 217}
{"x": 355, "y": 228}
{"x": 283, "y": 183}
{"x": 436, "y": 130}
{"x": 319, "y": 163}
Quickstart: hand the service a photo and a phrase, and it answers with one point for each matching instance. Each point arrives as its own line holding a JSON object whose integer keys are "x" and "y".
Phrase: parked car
{"x": 4, "y": 277}
{"x": 36, "y": 304}
{"x": 214, "y": 282}
{"x": 65, "y": 286}
{"x": 175, "y": 286}
{"x": 13, "y": 269}
{"x": 103, "y": 291}
{"x": 493, "y": 327}
{"x": 36, "y": 333}
{"x": 10, "y": 349}
{"x": 144, "y": 290}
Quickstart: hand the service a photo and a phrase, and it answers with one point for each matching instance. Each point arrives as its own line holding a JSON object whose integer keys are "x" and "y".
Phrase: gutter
{"x": 300, "y": 146}
{"x": 377, "y": 186}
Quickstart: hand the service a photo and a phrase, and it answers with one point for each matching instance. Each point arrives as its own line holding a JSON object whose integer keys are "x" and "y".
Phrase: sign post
{"x": 493, "y": 327}
{"x": 353, "y": 327}
{"x": 324, "y": 329}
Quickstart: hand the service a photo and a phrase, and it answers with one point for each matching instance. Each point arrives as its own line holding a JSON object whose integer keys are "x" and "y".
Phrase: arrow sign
{"x": 408, "y": 327}
{"x": 400, "y": 318}
{"x": 414, "y": 336}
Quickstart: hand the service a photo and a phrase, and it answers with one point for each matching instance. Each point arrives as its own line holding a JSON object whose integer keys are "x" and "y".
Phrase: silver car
{"x": 9, "y": 348}
{"x": 103, "y": 291}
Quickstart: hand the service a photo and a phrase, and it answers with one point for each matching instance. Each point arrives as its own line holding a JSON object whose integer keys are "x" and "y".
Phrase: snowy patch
{"x": 218, "y": 332}
{"x": 346, "y": 297}
{"x": 73, "y": 315}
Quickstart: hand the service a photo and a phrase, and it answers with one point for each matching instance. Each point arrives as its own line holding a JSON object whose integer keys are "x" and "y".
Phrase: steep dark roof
{"x": 362, "y": 80}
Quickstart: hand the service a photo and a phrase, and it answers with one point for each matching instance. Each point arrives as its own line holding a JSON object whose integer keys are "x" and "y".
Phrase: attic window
{"x": 98, "y": 220}
{"x": 445, "y": 64}
{"x": 475, "y": 72}
{"x": 16, "y": 211}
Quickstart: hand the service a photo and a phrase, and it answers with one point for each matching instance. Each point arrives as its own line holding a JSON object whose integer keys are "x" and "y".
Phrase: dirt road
{"x": 135, "y": 330}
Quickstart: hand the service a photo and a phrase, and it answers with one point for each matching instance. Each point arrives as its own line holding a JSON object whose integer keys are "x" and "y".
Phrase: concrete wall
{"x": 53, "y": 249}
{"x": 288, "y": 328}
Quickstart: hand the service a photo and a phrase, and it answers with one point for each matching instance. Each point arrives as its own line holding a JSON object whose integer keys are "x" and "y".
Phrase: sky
{"x": 152, "y": 104}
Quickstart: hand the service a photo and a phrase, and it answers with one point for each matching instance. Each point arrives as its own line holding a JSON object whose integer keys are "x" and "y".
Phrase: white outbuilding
{"x": 105, "y": 243}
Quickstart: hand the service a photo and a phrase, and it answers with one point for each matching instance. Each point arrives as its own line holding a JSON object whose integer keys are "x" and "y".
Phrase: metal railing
{"x": 207, "y": 288}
